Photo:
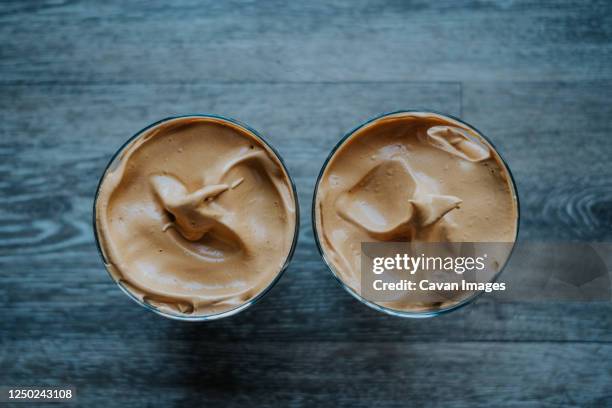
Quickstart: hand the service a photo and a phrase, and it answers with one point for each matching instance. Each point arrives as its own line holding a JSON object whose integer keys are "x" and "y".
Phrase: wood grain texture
{"x": 556, "y": 138}
{"x": 395, "y": 374}
{"x": 331, "y": 41}
{"x": 78, "y": 78}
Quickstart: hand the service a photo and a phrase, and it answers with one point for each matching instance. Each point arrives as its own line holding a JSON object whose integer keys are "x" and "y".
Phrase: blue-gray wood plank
{"x": 77, "y": 78}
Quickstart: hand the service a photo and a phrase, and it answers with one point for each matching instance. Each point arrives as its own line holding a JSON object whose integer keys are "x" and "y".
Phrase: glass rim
{"x": 280, "y": 273}
{"x": 328, "y": 263}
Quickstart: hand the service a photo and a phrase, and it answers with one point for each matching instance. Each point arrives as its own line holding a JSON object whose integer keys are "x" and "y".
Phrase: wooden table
{"x": 77, "y": 78}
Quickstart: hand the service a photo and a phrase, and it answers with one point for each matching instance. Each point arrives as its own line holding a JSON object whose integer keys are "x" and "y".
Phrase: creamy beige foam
{"x": 412, "y": 177}
{"x": 197, "y": 216}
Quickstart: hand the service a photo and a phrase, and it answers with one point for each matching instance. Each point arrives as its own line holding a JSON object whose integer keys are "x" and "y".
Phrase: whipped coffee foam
{"x": 412, "y": 177}
{"x": 196, "y": 216}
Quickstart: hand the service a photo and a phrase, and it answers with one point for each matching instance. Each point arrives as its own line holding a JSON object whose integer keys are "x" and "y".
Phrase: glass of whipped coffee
{"x": 196, "y": 217}
{"x": 422, "y": 182}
